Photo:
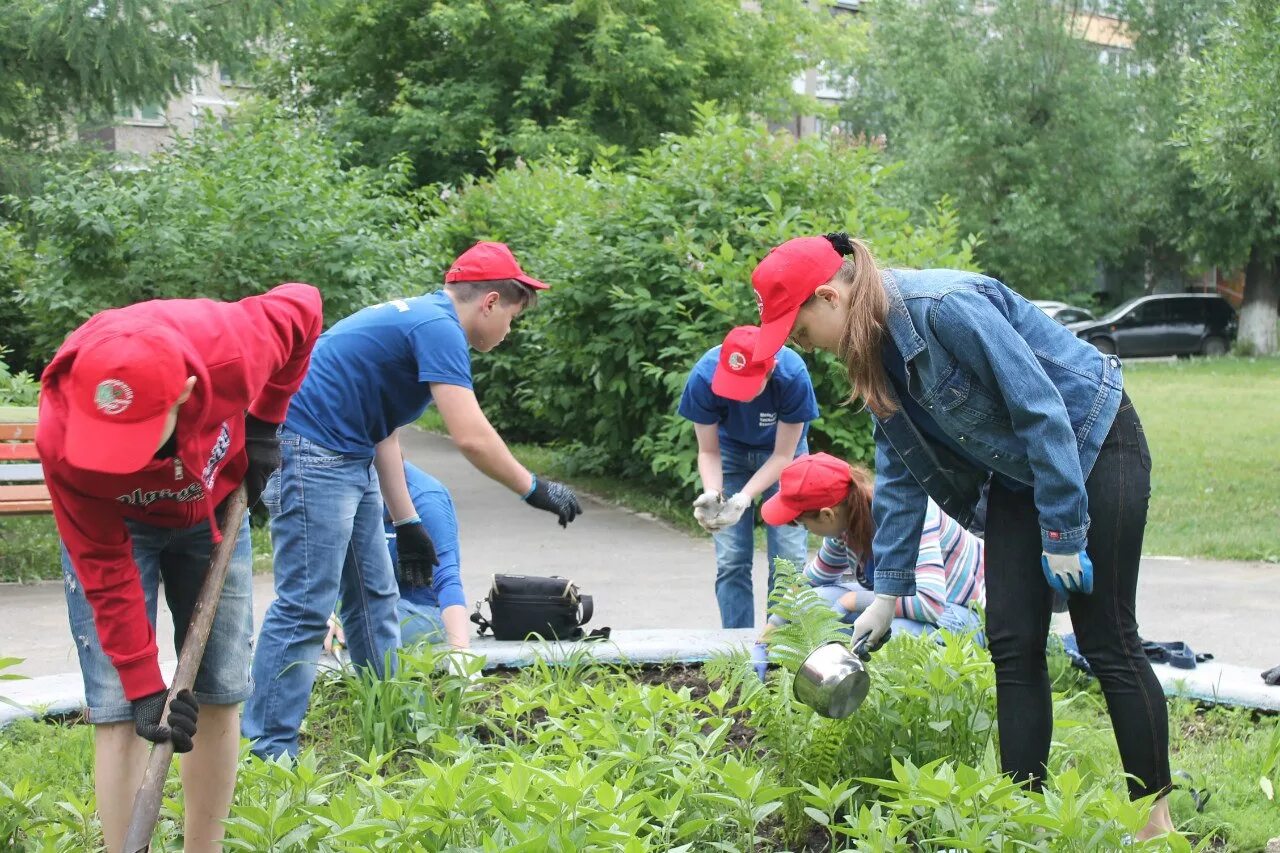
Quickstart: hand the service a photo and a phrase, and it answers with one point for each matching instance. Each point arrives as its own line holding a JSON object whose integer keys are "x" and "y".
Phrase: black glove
{"x": 555, "y": 498}
{"x": 1272, "y": 676}
{"x": 262, "y": 446}
{"x": 182, "y": 718}
{"x": 415, "y": 554}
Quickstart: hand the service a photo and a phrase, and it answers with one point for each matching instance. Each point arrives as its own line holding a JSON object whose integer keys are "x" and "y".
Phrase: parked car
{"x": 1160, "y": 325}
{"x": 1062, "y": 312}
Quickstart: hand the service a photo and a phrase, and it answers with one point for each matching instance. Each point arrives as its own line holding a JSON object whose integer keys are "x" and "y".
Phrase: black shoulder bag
{"x": 550, "y": 608}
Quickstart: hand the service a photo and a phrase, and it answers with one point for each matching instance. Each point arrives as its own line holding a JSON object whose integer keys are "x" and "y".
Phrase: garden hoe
{"x": 146, "y": 805}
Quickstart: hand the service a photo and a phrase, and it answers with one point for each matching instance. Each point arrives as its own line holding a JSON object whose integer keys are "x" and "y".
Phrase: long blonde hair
{"x": 864, "y": 331}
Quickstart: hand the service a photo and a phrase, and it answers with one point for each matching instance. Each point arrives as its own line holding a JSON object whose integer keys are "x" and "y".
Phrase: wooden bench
{"x": 22, "y": 489}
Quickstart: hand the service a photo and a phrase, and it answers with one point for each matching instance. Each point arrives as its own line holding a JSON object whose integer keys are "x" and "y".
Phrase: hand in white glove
{"x": 732, "y": 510}
{"x": 1068, "y": 573}
{"x": 874, "y": 621}
{"x": 464, "y": 663}
{"x": 706, "y": 508}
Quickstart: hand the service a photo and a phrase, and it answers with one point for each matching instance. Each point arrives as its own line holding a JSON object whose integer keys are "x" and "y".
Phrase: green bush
{"x": 229, "y": 212}
{"x": 650, "y": 265}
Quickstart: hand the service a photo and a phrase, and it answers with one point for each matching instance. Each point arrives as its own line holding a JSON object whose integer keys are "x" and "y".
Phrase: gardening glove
{"x": 874, "y": 621}
{"x": 760, "y": 659}
{"x": 465, "y": 664}
{"x": 732, "y": 510}
{"x": 1272, "y": 676}
{"x": 705, "y": 509}
{"x": 182, "y": 718}
{"x": 556, "y": 498}
{"x": 262, "y": 446}
{"x": 415, "y": 553}
{"x": 1068, "y": 573}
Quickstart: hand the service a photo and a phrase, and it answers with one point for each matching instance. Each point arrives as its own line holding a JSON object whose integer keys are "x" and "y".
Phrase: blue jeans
{"x": 735, "y": 546}
{"x": 329, "y": 543}
{"x": 419, "y": 623}
{"x": 179, "y": 557}
{"x": 955, "y": 618}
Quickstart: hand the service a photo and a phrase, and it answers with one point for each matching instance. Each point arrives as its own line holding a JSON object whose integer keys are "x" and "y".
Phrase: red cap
{"x": 489, "y": 262}
{"x": 784, "y": 280}
{"x": 120, "y": 390}
{"x": 739, "y": 376}
{"x": 812, "y": 482}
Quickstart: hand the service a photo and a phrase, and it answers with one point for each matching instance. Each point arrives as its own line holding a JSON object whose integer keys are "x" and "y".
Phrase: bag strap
{"x": 588, "y": 608}
{"x": 481, "y": 622}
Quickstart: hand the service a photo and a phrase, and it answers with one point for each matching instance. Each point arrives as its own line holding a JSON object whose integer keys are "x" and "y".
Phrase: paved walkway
{"x": 645, "y": 574}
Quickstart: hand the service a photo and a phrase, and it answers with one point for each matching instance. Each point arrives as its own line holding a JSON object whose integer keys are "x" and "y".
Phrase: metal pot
{"x": 834, "y": 680}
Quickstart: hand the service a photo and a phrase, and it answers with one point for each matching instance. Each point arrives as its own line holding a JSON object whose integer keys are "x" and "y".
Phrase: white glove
{"x": 732, "y": 510}
{"x": 706, "y": 507}
{"x": 464, "y": 663}
{"x": 875, "y": 620}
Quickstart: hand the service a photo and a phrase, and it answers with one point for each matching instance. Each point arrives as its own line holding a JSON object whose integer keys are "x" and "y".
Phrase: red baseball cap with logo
{"x": 489, "y": 262}
{"x": 784, "y": 280}
{"x": 120, "y": 389}
{"x": 739, "y": 376}
{"x": 812, "y": 482}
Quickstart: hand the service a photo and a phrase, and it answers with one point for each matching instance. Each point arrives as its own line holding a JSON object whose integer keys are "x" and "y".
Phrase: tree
{"x": 224, "y": 214}
{"x": 1002, "y": 108}
{"x": 459, "y": 85}
{"x": 1230, "y": 136}
{"x": 61, "y": 58}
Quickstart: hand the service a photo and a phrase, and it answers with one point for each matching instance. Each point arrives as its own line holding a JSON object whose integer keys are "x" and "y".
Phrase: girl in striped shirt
{"x": 832, "y": 499}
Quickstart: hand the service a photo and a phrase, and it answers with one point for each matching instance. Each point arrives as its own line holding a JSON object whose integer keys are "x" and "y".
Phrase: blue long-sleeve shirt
{"x": 431, "y": 500}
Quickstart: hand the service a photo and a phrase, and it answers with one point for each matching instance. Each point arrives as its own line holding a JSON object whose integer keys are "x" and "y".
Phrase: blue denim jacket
{"x": 1015, "y": 388}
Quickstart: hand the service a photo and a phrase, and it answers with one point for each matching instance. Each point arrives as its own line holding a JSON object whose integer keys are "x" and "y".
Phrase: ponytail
{"x": 864, "y": 332}
{"x": 862, "y": 525}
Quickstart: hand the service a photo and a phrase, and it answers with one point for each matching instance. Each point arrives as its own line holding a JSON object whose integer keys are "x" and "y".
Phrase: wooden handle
{"x": 146, "y": 804}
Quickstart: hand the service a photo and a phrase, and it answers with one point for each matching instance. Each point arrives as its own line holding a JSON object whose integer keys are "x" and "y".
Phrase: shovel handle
{"x": 146, "y": 804}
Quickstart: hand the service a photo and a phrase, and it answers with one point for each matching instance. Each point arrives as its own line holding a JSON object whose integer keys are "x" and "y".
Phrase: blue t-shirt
{"x": 431, "y": 500}
{"x": 369, "y": 373}
{"x": 787, "y": 398}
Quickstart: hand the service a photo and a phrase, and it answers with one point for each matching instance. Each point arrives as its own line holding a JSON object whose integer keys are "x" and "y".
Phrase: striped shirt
{"x": 949, "y": 568}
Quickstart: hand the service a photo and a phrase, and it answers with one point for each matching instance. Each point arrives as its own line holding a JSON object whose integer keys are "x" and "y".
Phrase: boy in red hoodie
{"x": 150, "y": 416}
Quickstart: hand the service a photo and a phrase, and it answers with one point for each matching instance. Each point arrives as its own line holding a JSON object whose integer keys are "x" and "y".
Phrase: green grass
{"x": 1214, "y": 430}
{"x": 29, "y": 549}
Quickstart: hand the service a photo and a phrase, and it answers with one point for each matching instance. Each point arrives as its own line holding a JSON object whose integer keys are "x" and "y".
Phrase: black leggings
{"x": 1019, "y": 605}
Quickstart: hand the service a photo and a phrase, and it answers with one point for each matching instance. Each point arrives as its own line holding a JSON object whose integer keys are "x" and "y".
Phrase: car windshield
{"x": 1118, "y": 312}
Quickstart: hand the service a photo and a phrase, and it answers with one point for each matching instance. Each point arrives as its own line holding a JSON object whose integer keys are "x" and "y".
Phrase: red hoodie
{"x": 251, "y": 354}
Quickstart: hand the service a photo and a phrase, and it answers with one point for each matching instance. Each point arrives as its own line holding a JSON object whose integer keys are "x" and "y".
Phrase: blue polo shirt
{"x": 788, "y": 398}
{"x": 369, "y": 373}
{"x": 431, "y": 500}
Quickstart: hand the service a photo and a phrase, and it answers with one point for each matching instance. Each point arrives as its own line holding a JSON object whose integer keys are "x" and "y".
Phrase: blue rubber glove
{"x": 1068, "y": 573}
{"x": 760, "y": 659}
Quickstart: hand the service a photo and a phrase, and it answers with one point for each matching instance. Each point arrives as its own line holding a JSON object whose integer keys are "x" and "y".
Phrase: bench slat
{"x": 21, "y": 472}
{"x": 25, "y": 508}
{"x": 18, "y": 451}
{"x": 17, "y": 432}
{"x": 23, "y": 493}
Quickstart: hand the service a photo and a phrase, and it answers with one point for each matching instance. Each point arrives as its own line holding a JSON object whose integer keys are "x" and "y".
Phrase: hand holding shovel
{"x": 146, "y": 805}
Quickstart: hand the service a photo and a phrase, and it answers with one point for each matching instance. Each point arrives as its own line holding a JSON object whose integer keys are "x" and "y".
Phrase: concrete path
{"x": 645, "y": 574}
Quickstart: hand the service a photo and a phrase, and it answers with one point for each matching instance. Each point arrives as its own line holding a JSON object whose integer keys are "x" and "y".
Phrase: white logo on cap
{"x": 112, "y": 396}
{"x": 737, "y": 361}
{"x": 760, "y": 303}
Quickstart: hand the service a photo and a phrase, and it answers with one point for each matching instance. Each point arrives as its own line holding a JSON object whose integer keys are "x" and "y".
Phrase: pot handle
{"x": 863, "y": 651}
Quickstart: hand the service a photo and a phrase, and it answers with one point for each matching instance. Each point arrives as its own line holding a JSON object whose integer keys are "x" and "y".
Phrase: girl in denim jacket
{"x": 970, "y": 384}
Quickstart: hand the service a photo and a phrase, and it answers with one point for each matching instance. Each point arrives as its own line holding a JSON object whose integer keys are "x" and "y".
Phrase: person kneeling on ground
{"x": 150, "y": 416}
{"x": 832, "y": 499}
{"x": 427, "y": 613}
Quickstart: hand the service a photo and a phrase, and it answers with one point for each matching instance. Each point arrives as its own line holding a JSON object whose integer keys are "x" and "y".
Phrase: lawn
{"x": 1214, "y": 430}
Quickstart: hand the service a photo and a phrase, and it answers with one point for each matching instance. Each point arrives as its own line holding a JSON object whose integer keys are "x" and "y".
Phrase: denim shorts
{"x": 179, "y": 557}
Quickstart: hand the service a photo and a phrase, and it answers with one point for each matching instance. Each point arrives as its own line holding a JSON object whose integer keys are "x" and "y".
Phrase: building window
{"x": 152, "y": 114}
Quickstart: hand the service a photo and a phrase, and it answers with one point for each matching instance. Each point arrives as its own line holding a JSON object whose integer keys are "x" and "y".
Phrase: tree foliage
{"x": 1231, "y": 140}
{"x": 456, "y": 85}
{"x": 1001, "y": 107}
{"x": 227, "y": 213}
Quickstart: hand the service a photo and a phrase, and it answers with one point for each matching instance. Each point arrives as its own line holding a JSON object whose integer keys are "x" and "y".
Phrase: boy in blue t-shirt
{"x": 751, "y": 419}
{"x": 437, "y": 612}
{"x": 371, "y": 374}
